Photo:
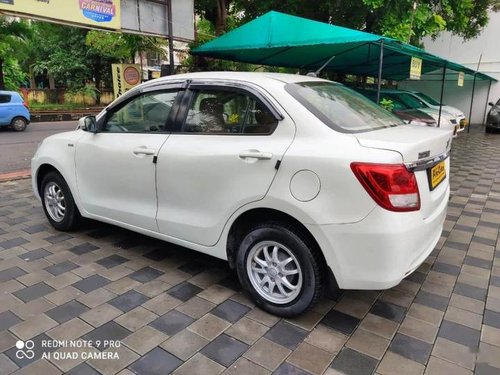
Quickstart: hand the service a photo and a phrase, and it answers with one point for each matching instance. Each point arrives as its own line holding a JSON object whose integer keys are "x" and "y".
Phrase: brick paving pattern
{"x": 178, "y": 311}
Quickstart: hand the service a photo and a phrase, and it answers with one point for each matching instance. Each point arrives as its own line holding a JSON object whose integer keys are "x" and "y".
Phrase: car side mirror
{"x": 88, "y": 123}
{"x": 491, "y": 104}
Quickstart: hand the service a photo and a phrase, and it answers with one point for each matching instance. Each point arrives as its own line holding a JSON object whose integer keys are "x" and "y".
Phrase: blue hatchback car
{"x": 13, "y": 111}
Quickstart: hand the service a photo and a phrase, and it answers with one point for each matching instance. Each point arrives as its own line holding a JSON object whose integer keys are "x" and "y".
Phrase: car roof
{"x": 255, "y": 77}
{"x": 382, "y": 91}
{"x": 15, "y": 96}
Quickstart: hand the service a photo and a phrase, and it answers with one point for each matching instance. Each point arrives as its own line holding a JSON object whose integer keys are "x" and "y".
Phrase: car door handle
{"x": 143, "y": 151}
{"x": 255, "y": 154}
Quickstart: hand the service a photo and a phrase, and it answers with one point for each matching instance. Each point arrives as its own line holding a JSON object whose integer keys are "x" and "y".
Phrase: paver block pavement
{"x": 174, "y": 310}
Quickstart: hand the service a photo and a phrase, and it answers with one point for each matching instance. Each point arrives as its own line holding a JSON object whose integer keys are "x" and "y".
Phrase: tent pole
{"x": 380, "y": 63}
{"x": 471, "y": 102}
{"x": 171, "y": 57}
{"x": 472, "y": 95}
{"x": 442, "y": 92}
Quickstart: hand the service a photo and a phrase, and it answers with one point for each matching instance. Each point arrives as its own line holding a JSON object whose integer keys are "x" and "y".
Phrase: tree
{"x": 125, "y": 47}
{"x": 12, "y": 34}
{"x": 215, "y": 11}
{"x": 60, "y": 52}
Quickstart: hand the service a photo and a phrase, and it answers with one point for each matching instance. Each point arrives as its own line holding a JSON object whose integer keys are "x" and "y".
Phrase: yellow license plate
{"x": 437, "y": 174}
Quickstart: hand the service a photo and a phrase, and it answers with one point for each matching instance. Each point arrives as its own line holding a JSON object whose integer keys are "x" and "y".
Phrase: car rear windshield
{"x": 341, "y": 108}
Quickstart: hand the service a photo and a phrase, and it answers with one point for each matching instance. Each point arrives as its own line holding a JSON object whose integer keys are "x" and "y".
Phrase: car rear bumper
{"x": 382, "y": 249}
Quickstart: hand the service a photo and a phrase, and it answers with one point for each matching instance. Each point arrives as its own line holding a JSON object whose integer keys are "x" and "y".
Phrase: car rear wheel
{"x": 280, "y": 269}
{"x": 19, "y": 124}
{"x": 58, "y": 203}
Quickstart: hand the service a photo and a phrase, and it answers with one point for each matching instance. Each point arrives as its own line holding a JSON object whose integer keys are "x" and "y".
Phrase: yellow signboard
{"x": 461, "y": 77}
{"x": 415, "y": 68}
{"x": 125, "y": 77}
{"x": 98, "y": 13}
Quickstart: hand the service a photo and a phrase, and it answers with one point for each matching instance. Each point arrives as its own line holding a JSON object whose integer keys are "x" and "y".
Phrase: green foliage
{"x": 124, "y": 47}
{"x": 75, "y": 57}
{"x": 60, "y": 51}
{"x": 55, "y": 107}
{"x": 107, "y": 43}
{"x": 14, "y": 77}
{"x": 12, "y": 37}
{"x": 387, "y": 104}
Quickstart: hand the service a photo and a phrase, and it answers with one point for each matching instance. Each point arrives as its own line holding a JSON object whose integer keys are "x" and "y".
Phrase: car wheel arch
{"x": 42, "y": 172}
{"x": 22, "y": 117}
{"x": 248, "y": 219}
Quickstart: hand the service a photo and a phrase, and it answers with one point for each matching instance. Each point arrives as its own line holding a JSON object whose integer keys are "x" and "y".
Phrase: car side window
{"x": 228, "y": 112}
{"x": 145, "y": 113}
{"x": 4, "y": 99}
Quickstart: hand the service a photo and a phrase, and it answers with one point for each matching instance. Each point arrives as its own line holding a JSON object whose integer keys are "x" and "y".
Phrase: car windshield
{"x": 341, "y": 108}
{"x": 410, "y": 100}
{"x": 427, "y": 98}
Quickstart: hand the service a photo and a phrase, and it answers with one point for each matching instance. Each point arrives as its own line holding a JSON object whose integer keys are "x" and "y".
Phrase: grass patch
{"x": 57, "y": 107}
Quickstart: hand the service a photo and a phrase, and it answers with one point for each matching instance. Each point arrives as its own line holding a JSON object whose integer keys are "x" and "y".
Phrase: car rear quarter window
{"x": 341, "y": 108}
{"x": 4, "y": 98}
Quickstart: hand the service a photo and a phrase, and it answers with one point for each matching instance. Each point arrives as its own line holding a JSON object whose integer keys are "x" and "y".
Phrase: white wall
{"x": 453, "y": 48}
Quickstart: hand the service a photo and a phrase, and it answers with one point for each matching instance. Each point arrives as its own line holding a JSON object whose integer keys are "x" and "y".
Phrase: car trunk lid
{"x": 414, "y": 143}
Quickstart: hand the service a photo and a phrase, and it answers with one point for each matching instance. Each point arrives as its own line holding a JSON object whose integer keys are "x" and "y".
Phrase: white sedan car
{"x": 300, "y": 183}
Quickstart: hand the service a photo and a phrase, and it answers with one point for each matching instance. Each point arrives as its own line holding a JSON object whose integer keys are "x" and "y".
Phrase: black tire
{"x": 487, "y": 129}
{"x": 71, "y": 218}
{"x": 306, "y": 255}
{"x": 19, "y": 124}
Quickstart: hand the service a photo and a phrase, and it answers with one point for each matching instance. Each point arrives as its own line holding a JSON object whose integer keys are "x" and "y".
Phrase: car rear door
{"x": 223, "y": 154}
{"x": 115, "y": 168}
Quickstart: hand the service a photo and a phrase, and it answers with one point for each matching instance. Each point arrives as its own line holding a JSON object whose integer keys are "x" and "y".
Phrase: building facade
{"x": 468, "y": 53}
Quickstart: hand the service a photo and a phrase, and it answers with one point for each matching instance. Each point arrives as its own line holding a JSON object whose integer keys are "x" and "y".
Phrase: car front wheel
{"x": 58, "y": 202}
{"x": 280, "y": 269}
{"x": 19, "y": 124}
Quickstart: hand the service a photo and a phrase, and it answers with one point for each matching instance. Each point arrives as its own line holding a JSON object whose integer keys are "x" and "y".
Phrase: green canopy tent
{"x": 279, "y": 39}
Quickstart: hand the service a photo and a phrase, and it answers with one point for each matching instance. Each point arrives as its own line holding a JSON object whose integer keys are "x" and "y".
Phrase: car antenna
{"x": 316, "y": 73}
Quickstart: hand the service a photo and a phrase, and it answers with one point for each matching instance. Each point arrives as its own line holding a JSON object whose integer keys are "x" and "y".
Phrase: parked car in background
{"x": 432, "y": 103}
{"x": 493, "y": 118}
{"x": 409, "y": 116}
{"x": 299, "y": 182}
{"x": 410, "y": 102}
{"x": 14, "y": 111}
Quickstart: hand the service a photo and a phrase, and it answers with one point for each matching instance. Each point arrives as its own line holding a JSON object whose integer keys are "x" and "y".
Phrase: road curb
{"x": 18, "y": 175}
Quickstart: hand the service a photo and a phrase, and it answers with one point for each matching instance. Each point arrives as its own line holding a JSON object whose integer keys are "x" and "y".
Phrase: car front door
{"x": 224, "y": 155}
{"x": 115, "y": 170}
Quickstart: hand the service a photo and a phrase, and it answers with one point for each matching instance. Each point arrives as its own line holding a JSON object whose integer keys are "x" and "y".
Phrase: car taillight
{"x": 26, "y": 105}
{"x": 392, "y": 186}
